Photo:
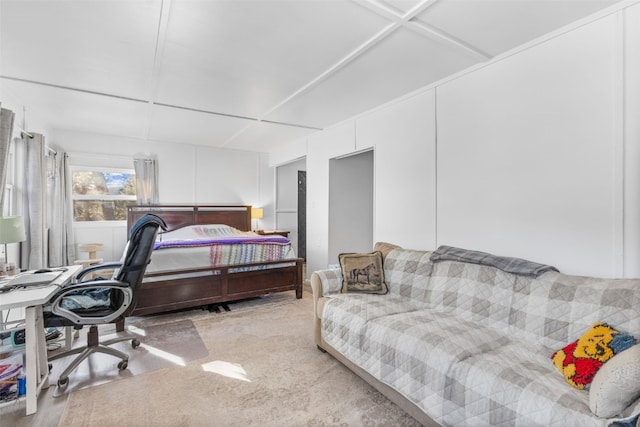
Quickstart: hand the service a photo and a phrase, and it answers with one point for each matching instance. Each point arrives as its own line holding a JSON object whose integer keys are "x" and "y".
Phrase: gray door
{"x": 302, "y": 214}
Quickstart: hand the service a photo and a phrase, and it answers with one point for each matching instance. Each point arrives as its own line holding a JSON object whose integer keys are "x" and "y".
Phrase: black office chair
{"x": 100, "y": 301}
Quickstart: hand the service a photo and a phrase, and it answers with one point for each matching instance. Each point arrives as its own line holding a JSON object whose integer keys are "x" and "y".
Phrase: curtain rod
{"x": 101, "y": 156}
{"x": 30, "y": 136}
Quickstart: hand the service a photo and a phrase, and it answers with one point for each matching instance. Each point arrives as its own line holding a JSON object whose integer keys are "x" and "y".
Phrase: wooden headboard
{"x": 177, "y": 216}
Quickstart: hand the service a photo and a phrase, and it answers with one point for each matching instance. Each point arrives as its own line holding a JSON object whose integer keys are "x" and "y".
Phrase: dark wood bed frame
{"x": 171, "y": 290}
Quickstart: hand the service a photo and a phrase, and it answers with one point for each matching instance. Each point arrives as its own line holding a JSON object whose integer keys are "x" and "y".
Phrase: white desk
{"x": 36, "y": 367}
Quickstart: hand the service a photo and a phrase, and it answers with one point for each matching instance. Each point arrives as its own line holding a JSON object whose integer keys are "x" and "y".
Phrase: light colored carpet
{"x": 262, "y": 369}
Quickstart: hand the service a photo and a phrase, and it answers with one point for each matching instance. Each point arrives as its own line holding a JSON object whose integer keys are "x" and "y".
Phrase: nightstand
{"x": 282, "y": 233}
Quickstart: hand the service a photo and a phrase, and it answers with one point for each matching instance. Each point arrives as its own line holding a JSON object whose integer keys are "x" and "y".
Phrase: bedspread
{"x": 203, "y": 246}
{"x": 215, "y": 234}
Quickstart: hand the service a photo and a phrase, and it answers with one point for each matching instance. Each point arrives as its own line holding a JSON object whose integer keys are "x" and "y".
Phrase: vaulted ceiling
{"x": 246, "y": 74}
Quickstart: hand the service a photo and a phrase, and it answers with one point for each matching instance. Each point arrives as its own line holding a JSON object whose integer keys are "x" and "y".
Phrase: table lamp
{"x": 11, "y": 231}
{"x": 257, "y": 214}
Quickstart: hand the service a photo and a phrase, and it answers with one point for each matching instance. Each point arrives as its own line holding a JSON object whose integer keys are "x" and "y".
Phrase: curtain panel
{"x": 59, "y": 211}
{"x": 146, "y": 169}
{"x": 6, "y": 128}
{"x": 34, "y": 249}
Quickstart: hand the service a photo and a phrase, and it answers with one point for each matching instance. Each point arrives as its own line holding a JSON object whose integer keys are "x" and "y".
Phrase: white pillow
{"x": 616, "y": 384}
{"x": 189, "y": 232}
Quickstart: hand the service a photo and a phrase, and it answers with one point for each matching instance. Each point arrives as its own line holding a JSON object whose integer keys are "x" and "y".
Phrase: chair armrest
{"x": 97, "y": 267}
{"x": 77, "y": 316}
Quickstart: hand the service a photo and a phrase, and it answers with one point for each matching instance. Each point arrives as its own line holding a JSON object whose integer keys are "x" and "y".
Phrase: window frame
{"x": 103, "y": 197}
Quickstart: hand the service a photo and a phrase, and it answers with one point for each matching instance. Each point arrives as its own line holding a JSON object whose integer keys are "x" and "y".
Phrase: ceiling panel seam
{"x": 408, "y": 21}
{"x": 398, "y": 22}
{"x": 237, "y": 134}
{"x": 74, "y": 89}
{"x": 152, "y": 103}
{"x": 161, "y": 35}
{"x": 290, "y": 124}
{"x": 442, "y": 36}
{"x": 198, "y": 110}
{"x": 364, "y": 47}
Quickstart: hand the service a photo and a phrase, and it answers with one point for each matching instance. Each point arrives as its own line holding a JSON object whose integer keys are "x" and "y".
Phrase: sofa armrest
{"x": 323, "y": 283}
{"x": 326, "y": 282}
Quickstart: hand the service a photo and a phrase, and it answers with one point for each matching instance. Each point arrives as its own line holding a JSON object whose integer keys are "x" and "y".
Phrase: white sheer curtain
{"x": 34, "y": 201}
{"x": 6, "y": 127}
{"x": 146, "y": 169}
{"x": 59, "y": 211}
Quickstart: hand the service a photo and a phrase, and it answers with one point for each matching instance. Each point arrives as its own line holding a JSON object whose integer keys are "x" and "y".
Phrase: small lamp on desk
{"x": 11, "y": 231}
{"x": 257, "y": 214}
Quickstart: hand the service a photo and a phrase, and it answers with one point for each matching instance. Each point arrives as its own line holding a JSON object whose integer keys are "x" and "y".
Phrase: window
{"x": 102, "y": 194}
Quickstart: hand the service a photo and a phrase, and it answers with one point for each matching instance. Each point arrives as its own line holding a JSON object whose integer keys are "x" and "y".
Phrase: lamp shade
{"x": 12, "y": 229}
{"x": 257, "y": 213}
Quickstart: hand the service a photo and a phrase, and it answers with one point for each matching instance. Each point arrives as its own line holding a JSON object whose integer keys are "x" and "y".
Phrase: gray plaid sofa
{"x": 464, "y": 344}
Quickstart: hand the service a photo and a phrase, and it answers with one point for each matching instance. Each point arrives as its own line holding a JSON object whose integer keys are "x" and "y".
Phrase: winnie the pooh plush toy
{"x": 580, "y": 360}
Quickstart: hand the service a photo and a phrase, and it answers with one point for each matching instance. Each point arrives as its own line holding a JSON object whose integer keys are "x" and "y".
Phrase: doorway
{"x": 302, "y": 214}
{"x": 350, "y": 204}
{"x": 290, "y": 205}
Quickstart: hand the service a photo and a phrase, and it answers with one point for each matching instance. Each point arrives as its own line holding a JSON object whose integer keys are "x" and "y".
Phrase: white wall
{"x": 535, "y": 154}
{"x": 187, "y": 174}
{"x": 322, "y": 146}
{"x": 526, "y": 156}
{"x": 403, "y": 135}
{"x": 631, "y": 137}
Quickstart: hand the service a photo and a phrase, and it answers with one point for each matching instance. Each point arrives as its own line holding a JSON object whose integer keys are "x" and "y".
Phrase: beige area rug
{"x": 162, "y": 346}
{"x": 263, "y": 369}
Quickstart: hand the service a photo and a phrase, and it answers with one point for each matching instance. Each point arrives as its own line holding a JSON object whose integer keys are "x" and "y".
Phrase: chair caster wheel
{"x": 122, "y": 365}
{"x": 135, "y": 343}
{"x": 62, "y": 382}
{"x": 50, "y": 366}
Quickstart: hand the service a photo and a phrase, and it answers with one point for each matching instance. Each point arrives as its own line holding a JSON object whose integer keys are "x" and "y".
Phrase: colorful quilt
{"x": 225, "y": 245}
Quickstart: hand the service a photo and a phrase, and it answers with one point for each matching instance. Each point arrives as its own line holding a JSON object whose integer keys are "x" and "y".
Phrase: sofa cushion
{"x": 556, "y": 308}
{"x": 384, "y": 248}
{"x": 474, "y": 292}
{"x": 617, "y": 384}
{"x": 406, "y": 273}
{"x": 514, "y": 385}
{"x": 579, "y": 361}
{"x": 362, "y": 273}
{"x": 457, "y": 371}
{"x": 344, "y": 316}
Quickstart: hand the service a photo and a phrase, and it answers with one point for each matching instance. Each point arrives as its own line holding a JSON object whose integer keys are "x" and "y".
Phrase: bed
{"x": 180, "y": 276}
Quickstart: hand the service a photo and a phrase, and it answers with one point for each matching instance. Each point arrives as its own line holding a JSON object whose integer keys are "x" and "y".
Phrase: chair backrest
{"x": 137, "y": 256}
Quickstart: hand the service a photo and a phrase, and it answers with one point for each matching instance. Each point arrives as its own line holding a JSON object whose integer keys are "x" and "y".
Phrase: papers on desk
{"x": 30, "y": 279}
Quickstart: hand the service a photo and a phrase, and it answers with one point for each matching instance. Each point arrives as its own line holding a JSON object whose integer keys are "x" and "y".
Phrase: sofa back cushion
{"x": 406, "y": 273}
{"x": 551, "y": 310}
{"x": 557, "y": 308}
{"x": 473, "y": 292}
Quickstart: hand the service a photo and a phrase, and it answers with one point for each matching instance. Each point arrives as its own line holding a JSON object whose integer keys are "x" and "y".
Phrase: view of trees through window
{"x": 102, "y": 195}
